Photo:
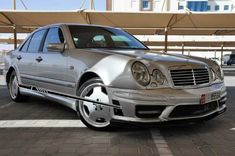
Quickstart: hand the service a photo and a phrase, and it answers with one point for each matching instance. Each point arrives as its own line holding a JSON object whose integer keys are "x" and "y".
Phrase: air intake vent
{"x": 190, "y": 77}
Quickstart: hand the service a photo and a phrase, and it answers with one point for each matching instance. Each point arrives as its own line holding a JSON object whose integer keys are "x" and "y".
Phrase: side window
{"x": 24, "y": 48}
{"x": 36, "y": 41}
{"x": 54, "y": 35}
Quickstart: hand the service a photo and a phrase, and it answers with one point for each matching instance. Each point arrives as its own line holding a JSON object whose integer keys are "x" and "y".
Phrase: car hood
{"x": 154, "y": 56}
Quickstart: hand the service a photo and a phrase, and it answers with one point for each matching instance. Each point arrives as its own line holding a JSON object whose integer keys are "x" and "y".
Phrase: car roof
{"x": 74, "y": 24}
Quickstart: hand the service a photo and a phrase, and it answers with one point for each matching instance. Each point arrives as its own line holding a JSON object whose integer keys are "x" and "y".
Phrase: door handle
{"x": 39, "y": 59}
{"x": 19, "y": 57}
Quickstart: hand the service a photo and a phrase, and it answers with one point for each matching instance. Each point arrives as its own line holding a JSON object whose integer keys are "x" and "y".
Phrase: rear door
{"x": 27, "y": 56}
{"x": 52, "y": 70}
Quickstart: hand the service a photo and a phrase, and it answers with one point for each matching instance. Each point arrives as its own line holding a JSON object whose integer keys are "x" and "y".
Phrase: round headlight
{"x": 159, "y": 77}
{"x": 220, "y": 73}
{"x": 140, "y": 73}
{"x": 217, "y": 73}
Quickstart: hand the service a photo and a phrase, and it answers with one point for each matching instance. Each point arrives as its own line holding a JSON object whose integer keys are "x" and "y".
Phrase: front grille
{"x": 193, "y": 110}
{"x": 189, "y": 77}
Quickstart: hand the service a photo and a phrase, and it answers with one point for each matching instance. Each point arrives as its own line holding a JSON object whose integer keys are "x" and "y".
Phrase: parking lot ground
{"x": 31, "y": 128}
{"x": 20, "y": 140}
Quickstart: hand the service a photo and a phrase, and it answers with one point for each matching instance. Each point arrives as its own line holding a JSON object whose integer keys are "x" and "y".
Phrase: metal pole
{"x": 221, "y": 57}
{"x": 14, "y": 4}
{"x": 182, "y": 48}
{"x": 15, "y": 37}
{"x": 14, "y": 27}
{"x": 91, "y": 4}
{"x": 166, "y": 39}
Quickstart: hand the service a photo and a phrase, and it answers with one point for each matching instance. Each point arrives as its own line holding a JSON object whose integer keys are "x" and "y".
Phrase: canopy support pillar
{"x": 166, "y": 39}
{"x": 14, "y": 5}
{"x": 92, "y": 5}
{"x": 15, "y": 36}
{"x": 222, "y": 54}
{"x": 182, "y": 48}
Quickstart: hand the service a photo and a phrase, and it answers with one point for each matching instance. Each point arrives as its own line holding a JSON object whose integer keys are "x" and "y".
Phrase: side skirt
{"x": 68, "y": 102}
{"x": 66, "y": 99}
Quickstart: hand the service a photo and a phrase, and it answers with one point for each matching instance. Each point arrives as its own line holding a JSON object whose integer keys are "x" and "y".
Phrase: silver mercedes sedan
{"x": 106, "y": 75}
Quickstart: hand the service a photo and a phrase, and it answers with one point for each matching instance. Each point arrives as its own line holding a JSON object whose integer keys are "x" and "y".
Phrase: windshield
{"x": 99, "y": 37}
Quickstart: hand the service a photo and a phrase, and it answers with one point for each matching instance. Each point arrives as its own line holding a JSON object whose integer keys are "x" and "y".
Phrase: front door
{"x": 52, "y": 70}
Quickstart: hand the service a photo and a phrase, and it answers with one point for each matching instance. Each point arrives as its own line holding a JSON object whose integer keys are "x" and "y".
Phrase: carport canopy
{"x": 137, "y": 23}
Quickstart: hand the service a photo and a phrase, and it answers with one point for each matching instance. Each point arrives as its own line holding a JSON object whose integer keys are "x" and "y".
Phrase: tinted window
{"x": 208, "y": 7}
{"x": 25, "y": 46}
{"x": 99, "y": 37}
{"x": 36, "y": 41}
{"x": 180, "y": 7}
{"x": 54, "y": 35}
{"x": 197, "y": 5}
{"x": 99, "y": 41}
{"x": 226, "y": 7}
{"x": 216, "y": 7}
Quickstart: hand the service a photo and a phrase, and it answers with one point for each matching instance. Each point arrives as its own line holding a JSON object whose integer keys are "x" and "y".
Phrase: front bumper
{"x": 168, "y": 104}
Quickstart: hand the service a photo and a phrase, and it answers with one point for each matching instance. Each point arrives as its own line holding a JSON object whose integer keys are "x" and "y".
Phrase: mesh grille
{"x": 193, "y": 110}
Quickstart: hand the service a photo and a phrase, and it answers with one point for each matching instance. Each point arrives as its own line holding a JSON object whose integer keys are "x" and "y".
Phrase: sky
{"x": 46, "y": 5}
{"x": 51, "y": 4}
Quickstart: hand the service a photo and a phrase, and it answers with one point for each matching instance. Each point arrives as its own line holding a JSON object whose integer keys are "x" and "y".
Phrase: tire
{"x": 14, "y": 89}
{"x": 93, "y": 115}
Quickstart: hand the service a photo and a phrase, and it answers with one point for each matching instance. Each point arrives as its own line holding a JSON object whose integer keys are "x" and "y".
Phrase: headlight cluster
{"x": 159, "y": 77}
{"x": 143, "y": 77}
{"x": 217, "y": 73}
{"x": 140, "y": 73}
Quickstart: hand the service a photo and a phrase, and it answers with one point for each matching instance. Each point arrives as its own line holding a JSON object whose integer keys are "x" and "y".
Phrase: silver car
{"x": 106, "y": 75}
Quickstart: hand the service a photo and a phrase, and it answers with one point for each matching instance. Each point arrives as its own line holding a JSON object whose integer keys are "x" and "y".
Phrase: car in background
{"x": 105, "y": 75}
{"x": 229, "y": 59}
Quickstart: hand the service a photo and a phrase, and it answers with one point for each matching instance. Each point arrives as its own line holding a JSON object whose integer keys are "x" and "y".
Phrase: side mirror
{"x": 57, "y": 47}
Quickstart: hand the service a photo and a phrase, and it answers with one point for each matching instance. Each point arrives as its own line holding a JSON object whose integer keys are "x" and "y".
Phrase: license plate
{"x": 215, "y": 96}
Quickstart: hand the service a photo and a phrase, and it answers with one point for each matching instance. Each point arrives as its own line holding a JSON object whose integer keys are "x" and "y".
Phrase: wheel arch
{"x": 10, "y": 70}
{"x": 87, "y": 76}
{"x": 112, "y": 70}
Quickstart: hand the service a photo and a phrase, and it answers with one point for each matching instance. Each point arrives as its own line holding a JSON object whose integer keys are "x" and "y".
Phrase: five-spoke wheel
{"x": 93, "y": 115}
